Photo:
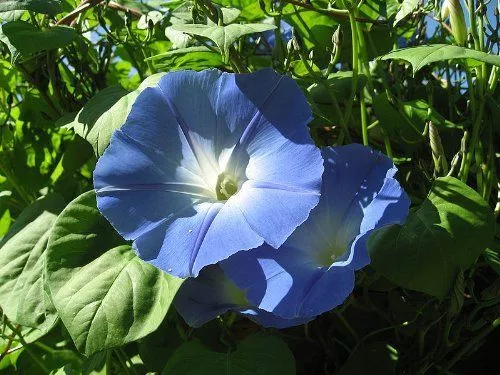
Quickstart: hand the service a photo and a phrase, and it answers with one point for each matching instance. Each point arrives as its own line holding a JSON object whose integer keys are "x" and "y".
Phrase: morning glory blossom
{"x": 208, "y": 164}
{"x": 314, "y": 269}
{"x": 201, "y": 299}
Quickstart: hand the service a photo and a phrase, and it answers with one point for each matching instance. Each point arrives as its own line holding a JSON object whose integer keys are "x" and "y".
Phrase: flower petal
{"x": 204, "y": 234}
{"x": 156, "y": 183}
{"x": 390, "y": 206}
{"x": 314, "y": 270}
{"x": 211, "y": 294}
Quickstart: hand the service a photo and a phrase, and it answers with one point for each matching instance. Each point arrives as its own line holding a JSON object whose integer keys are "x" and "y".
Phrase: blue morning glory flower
{"x": 201, "y": 299}
{"x": 208, "y": 164}
{"x": 314, "y": 269}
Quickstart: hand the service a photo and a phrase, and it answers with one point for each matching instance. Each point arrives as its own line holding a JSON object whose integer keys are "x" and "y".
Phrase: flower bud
{"x": 453, "y": 9}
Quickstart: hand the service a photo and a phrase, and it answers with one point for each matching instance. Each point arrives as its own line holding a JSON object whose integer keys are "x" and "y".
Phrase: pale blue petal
{"x": 156, "y": 181}
{"x": 314, "y": 270}
{"x": 390, "y": 206}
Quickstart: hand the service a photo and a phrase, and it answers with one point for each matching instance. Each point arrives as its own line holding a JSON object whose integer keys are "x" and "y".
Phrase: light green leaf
{"x": 13, "y": 15}
{"x": 224, "y": 36}
{"x": 51, "y": 7}
{"x": 115, "y": 116}
{"x": 195, "y": 58}
{"x": 443, "y": 236}
{"x": 23, "y": 37}
{"x": 22, "y": 295}
{"x": 154, "y": 16}
{"x": 421, "y": 56}
{"x": 85, "y": 121}
{"x": 258, "y": 354}
{"x": 405, "y": 9}
{"x": 104, "y": 294}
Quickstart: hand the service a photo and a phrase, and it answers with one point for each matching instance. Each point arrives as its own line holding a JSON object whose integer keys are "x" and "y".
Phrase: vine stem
{"x": 33, "y": 355}
{"x": 336, "y": 14}
{"x": 469, "y": 345}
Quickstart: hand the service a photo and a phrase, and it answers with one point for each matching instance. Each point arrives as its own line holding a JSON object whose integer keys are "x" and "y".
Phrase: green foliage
{"x": 421, "y": 56}
{"x": 435, "y": 243}
{"x": 51, "y": 7}
{"x": 257, "y": 354}
{"x": 23, "y": 38}
{"x": 75, "y": 299}
{"x": 104, "y": 294}
{"x": 224, "y": 36}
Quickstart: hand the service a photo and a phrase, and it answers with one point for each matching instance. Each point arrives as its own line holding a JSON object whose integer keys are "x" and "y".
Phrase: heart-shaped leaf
{"x": 224, "y": 36}
{"x": 435, "y": 243}
{"x": 22, "y": 295}
{"x": 421, "y": 56}
{"x": 257, "y": 354}
{"x": 105, "y": 295}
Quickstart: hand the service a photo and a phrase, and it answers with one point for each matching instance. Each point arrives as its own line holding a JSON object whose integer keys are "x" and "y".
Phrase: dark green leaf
{"x": 24, "y": 38}
{"x": 369, "y": 359}
{"x": 258, "y": 354}
{"x": 435, "y": 243}
{"x": 51, "y": 7}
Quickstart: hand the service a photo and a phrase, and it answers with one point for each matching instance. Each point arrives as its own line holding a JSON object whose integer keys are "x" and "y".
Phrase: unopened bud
{"x": 453, "y": 9}
{"x": 297, "y": 40}
{"x": 337, "y": 37}
{"x": 311, "y": 55}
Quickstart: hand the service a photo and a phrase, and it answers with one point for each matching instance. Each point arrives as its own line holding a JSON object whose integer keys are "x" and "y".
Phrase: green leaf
{"x": 51, "y": 7}
{"x": 421, "y": 56}
{"x": 224, "y": 36}
{"x": 195, "y": 58}
{"x": 22, "y": 295}
{"x": 258, "y": 354}
{"x": 24, "y": 38}
{"x": 368, "y": 359}
{"x": 104, "y": 294}
{"x": 405, "y": 9}
{"x": 443, "y": 236}
{"x": 87, "y": 117}
{"x": 154, "y": 16}
{"x": 115, "y": 116}
{"x": 375, "y": 9}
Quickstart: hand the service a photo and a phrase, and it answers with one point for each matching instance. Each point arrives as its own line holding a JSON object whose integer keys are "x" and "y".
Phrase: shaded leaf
{"x": 51, "y": 7}
{"x": 368, "y": 359}
{"x": 24, "y": 38}
{"x": 435, "y": 243}
{"x": 257, "y": 354}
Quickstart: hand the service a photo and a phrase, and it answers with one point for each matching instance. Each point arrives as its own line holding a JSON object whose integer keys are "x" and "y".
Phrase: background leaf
{"x": 224, "y": 36}
{"x": 25, "y": 38}
{"x": 257, "y": 354}
{"x": 51, "y": 7}
{"x": 421, "y": 56}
